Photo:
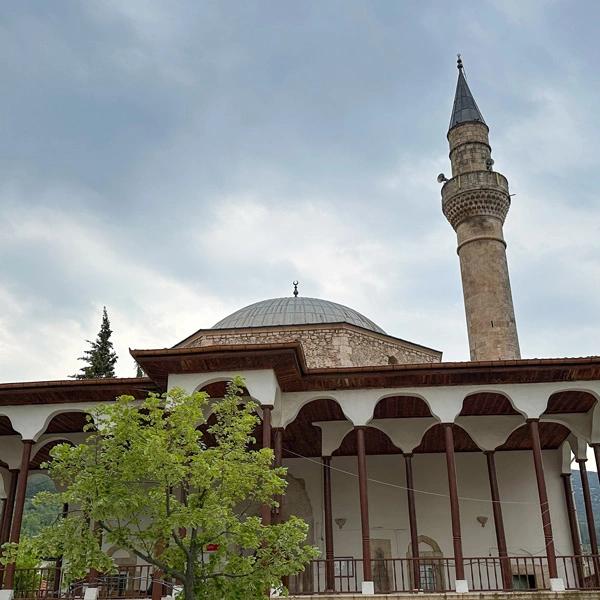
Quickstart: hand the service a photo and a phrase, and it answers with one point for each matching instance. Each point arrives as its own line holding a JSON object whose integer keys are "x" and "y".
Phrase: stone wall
{"x": 326, "y": 345}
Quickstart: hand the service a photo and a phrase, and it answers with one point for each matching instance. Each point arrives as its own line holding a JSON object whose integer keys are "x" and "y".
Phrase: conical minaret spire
{"x": 475, "y": 202}
{"x": 465, "y": 108}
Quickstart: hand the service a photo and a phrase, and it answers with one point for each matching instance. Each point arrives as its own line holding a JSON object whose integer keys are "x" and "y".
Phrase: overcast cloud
{"x": 175, "y": 161}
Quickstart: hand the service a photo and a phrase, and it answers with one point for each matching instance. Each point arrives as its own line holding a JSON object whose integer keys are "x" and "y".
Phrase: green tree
{"x": 101, "y": 357}
{"x": 159, "y": 480}
{"x": 139, "y": 372}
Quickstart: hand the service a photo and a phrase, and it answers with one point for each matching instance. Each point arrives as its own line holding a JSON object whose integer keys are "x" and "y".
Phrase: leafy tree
{"x": 101, "y": 357}
{"x": 159, "y": 480}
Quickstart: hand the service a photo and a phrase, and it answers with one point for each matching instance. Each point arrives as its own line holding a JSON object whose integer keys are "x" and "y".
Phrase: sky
{"x": 175, "y": 161}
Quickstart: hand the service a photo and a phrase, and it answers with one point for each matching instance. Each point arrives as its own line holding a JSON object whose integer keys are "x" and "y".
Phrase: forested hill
{"x": 595, "y": 493}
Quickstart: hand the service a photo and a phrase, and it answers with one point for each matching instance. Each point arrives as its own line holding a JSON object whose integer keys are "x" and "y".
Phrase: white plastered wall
{"x": 388, "y": 513}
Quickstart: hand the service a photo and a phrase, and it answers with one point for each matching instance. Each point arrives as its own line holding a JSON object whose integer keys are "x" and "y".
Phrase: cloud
{"x": 147, "y": 308}
{"x": 178, "y": 162}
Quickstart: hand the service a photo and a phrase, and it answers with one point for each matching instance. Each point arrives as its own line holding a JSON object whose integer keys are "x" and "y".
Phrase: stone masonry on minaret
{"x": 475, "y": 202}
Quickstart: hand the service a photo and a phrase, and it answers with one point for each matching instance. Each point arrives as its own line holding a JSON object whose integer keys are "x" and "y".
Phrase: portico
{"x": 411, "y": 477}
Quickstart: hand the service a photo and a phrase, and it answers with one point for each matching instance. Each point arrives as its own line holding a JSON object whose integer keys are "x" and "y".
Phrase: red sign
{"x": 212, "y": 547}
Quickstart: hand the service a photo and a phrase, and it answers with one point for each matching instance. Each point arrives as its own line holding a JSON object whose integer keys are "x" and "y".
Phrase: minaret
{"x": 475, "y": 202}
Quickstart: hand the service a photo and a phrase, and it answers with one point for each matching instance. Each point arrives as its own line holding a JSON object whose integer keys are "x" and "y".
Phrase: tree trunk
{"x": 188, "y": 588}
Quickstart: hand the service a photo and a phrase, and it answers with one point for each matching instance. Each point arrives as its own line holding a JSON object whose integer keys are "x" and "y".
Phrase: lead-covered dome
{"x": 294, "y": 311}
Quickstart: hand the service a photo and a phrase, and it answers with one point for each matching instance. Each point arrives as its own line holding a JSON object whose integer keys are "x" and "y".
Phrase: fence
{"x": 390, "y": 575}
{"x": 432, "y": 574}
{"x": 131, "y": 581}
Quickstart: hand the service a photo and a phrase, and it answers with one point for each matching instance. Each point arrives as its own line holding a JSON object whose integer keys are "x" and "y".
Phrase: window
{"x": 523, "y": 582}
{"x": 427, "y": 576}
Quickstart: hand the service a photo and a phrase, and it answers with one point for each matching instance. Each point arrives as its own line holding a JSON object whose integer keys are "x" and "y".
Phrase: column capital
{"x": 565, "y": 474}
{"x": 533, "y": 420}
{"x": 489, "y": 452}
{"x": 581, "y": 460}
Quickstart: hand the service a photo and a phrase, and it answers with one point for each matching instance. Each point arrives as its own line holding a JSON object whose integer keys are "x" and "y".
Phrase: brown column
{"x": 499, "y": 521}
{"x": 265, "y": 510}
{"x": 329, "y": 552}
{"x": 412, "y": 520}
{"x": 8, "y": 513}
{"x": 364, "y": 503}
{"x": 4, "y": 503}
{"x": 156, "y": 592}
{"x": 278, "y": 451}
{"x": 9, "y": 506}
{"x": 278, "y": 445}
{"x": 534, "y": 434}
{"x": 454, "y": 506}
{"x": 596, "y": 448}
{"x": 574, "y": 527}
{"x": 15, "y": 531}
{"x": 59, "y": 560}
{"x": 589, "y": 515}
{"x": 587, "y": 501}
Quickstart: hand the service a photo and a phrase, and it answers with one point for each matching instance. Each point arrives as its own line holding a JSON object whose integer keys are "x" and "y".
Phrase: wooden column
{"x": 454, "y": 506}
{"x": 4, "y": 503}
{"x": 59, "y": 560}
{"x": 15, "y": 531}
{"x": 574, "y": 527}
{"x": 589, "y": 515}
{"x": 9, "y": 506}
{"x": 278, "y": 451}
{"x": 8, "y": 513}
{"x": 587, "y": 501}
{"x": 265, "y": 510}
{"x": 534, "y": 433}
{"x": 278, "y": 445}
{"x": 412, "y": 520}
{"x": 499, "y": 521}
{"x": 364, "y": 503}
{"x": 329, "y": 552}
{"x": 596, "y": 448}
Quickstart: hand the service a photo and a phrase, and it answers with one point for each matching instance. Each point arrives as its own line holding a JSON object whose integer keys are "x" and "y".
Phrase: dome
{"x": 294, "y": 311}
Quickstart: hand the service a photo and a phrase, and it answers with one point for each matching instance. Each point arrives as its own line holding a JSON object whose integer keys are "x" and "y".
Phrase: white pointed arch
{"x": 261, "y": 384}
{"x": 294, "y": 402}
{"x": 491, "y": 390}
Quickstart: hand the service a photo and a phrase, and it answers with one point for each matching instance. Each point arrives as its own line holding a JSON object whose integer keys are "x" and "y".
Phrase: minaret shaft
{"x": 475, "y": 202}
{"x": 486, "y": 288}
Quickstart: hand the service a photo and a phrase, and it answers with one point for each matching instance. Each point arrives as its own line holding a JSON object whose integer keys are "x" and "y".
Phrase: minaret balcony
{"x": 475, "y": 180}
{"x": 477, "y": 193}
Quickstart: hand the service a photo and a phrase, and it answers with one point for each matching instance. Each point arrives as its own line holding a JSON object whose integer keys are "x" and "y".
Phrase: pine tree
{"x": 101, "y": 357}
{"x": 139, "y": 372}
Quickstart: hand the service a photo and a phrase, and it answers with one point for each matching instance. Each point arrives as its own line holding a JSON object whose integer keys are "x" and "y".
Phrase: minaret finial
{"x": 295, "y": 289}
{"x": 459, "y": 64}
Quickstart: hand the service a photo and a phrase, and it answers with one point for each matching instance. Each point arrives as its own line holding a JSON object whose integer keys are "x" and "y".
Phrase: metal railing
{"x": 390, "y": 575}
{"x": 434, "y": 574}
{"x": 130, "y": 581}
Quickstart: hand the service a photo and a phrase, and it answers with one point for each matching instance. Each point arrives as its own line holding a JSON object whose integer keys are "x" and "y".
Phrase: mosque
{"x": 414, "y": 474}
